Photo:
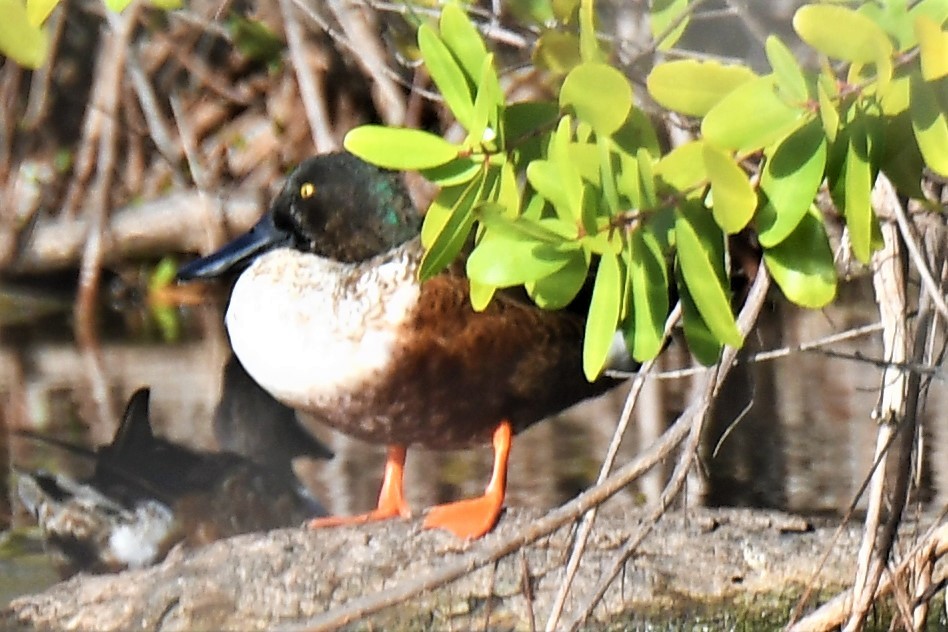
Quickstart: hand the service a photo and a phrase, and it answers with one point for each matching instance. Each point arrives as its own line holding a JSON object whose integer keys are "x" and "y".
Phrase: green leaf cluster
{"x": 23, "y": 36}
{"x": 561, "y": 195}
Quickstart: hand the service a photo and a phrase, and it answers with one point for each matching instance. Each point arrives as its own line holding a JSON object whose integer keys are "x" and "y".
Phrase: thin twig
{"x": 764, "y": 356}
{"x": 311, "y": 93}
{"x": 911, "y": 244}
{"x": 389, "y": 100}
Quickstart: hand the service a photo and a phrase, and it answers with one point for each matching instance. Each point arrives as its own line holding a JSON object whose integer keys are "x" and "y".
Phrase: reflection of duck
{"x": 239, "y": 426}
{"x": 147, "y": 494}
{"x": 330, "y": 317}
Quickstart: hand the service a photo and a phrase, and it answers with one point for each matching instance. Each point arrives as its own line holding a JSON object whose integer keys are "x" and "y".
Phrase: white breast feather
{"x": 307, "y": 328}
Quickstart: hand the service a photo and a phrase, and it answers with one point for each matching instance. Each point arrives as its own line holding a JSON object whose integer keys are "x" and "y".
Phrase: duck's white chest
{"x": 310, "y": 330}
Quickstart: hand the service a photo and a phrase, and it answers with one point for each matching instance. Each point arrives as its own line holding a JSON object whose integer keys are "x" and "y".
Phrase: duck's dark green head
{"x": 334, "y": 205}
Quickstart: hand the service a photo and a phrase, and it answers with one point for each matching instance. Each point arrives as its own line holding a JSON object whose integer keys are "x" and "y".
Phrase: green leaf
{"x": 857, "y": 191}
{"x": 560, "y": 288}
{"x": 583, "y": 90}
{"x": 829, "y": 116}
{"x": 700, "y": 254}
{"x": 481, "y": 295}
{"x": 167, "y": 5}
{"x": 487, "y": 107}
{"x": 117, "y": 6}
{"x": 702, "y": 343}
{"x": 683, "y": 168}
{"x": 454, "y": 172}
{"x": 663, "y": 15}
{"x": 255, "y": 40}
{"x": 790, "y": 179}
{"x": 787, "y": 70}
{"x": 841, "y": 33}
{"x": 463, "y": 40}
{"x": 603, "y": 319}
{"x": 929, "y": 125}
{"x": 750, "y": 117}
{"x": 38, "y": 10}
{"x": 588, "y": 41}
{"x": 637, "y": 133}
{"x": 648, "y": 276}
{"x": 505, "y": 261}
{"x": 21, "y": 41}
{"x": 646, "y": 173}
{"x": 734, "y": 197}
{"x": 447, "y": 74}
{"x": 557, "y": 52}
{"x": 901, "y": 159}
{"x": 399, "y": 147}
{"x": 448, "y": 241}
{"x": 802, "y": 264}
{"x": 694, "y": 87}
{"x": 550, "y": 230}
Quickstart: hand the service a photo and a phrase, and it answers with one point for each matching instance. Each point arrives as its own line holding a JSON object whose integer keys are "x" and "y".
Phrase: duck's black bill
{"x": 238, "y": 254}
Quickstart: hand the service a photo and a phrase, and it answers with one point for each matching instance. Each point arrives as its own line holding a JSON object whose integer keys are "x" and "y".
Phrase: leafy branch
{"x": 589, "y": 190}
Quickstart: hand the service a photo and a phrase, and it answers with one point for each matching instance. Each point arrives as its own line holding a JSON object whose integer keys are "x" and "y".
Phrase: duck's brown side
{"x": 457, "y": 373}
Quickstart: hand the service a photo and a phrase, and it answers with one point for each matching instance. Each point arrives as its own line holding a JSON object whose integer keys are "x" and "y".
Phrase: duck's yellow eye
{"x": 307, "y": 190}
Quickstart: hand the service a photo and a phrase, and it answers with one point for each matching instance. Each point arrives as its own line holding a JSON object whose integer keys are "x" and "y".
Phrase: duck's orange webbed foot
{"x": 473, "y": 518}
{"x": 391, "y": 499}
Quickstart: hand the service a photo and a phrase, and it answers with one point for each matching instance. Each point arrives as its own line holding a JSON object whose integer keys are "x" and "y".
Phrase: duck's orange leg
{"x": 474, "y": 517}
{"x": 391, "y": 498}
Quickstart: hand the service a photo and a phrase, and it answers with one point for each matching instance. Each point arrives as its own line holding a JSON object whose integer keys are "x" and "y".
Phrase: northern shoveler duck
{"x": 147, "y": 494}
{"x": 329, "y": 316}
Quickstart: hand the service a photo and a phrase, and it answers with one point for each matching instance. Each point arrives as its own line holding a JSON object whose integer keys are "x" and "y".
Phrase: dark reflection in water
{"x": 147, "y": 494}
{"x": 803, "y": 439}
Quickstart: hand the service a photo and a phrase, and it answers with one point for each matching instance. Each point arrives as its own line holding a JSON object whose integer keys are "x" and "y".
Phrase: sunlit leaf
{"x": 588, "y": 39}
{"x": 560, "y": 288}
{"x": 447, "y": 74}
{"x": 21, "y": 41}
{"x": 790, "y": 179}
{"x": 603, "y": 319}
{"x": 462, "y": 39}
{"x": 38, "y": 10}
{"x": 457, "y": 171}
{"x": 557, "y": 52}
{"x": 481, "y": 295}
{"x": 750, "y": 117}
{"x": 117, "y": 5}
{"x": 504, "y": 261}
{"x": 487, "y": 107}
{"x": 702, "y": 342}
{"x": 447, "y": 242}
{"x": 829, "y": 116}
{"x": 694, "y": 87}
{"x": 583, "y": 91}
{"x": 929, "y": 125}
{"x": 399, "y": 147}
{"x": 734, "y": 197}
{"x": 858, "y": 188}
{"x": 648, "y": 276}
{"x": 668, "y": 20}
{"x": 700, "y": 247}
{"x": 841, "y": 33}
{"x": 646, "y": 171}
{"x": 683, "y": 167}
{"x": 802, "y": 264}
{"x": 786, "y": 69}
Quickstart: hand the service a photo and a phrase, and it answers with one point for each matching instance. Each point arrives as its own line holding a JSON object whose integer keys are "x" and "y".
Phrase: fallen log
{"x": 696, "y": 561}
